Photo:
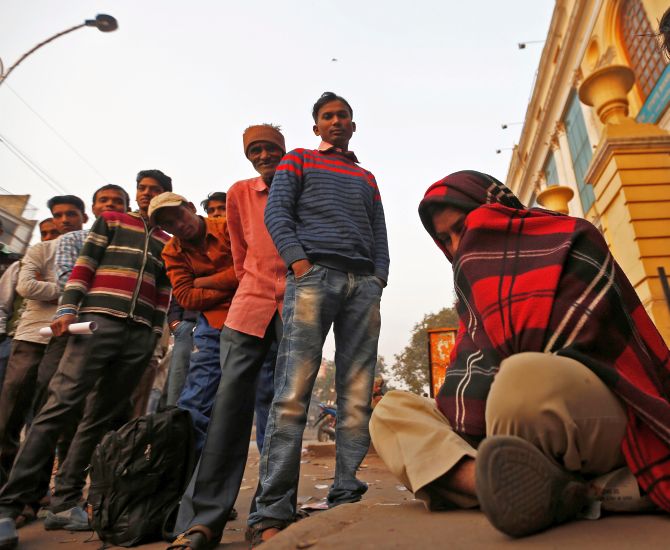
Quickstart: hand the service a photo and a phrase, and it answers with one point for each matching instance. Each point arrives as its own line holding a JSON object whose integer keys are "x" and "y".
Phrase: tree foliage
{"x": 411, "y": 365}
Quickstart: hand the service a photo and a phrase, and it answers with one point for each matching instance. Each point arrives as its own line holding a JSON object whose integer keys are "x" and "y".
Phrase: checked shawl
{"x": 533, "y": 280}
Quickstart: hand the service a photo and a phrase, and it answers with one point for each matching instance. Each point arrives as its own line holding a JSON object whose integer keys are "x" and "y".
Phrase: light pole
{"x": 102, "y": 22}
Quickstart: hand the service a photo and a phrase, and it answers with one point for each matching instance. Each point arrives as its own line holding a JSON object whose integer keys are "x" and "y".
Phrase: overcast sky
{"x": 173, "y": 88}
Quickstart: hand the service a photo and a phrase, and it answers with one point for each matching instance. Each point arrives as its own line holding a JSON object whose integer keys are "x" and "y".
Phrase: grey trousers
{"x": 214, "y": 486}
{"x": 555, "y": 403}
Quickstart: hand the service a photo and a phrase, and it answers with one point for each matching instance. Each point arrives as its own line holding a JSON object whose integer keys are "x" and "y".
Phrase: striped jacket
{"x": 325, "y": 208}
{"x": 120, "y": 272}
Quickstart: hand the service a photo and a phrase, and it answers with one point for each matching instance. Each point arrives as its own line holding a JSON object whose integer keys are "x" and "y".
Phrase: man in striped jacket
{"x": 325, "y": 216}
{"x": 119, "y": 282}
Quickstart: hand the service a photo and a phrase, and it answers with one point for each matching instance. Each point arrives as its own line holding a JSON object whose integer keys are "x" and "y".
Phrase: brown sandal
{"x": 197, "y": 537}
{"x": 254, "y": 533}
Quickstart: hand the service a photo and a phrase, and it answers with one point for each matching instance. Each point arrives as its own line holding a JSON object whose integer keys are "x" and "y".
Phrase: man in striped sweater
{"x": 119, "y": 282}
{"x": 325, "y": 216}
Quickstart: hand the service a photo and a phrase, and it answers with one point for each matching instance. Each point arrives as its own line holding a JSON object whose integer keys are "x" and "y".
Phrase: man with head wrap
{"x": 558, "y": 374}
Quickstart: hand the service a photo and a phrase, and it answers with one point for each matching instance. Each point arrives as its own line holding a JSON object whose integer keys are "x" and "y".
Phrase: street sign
{"x": 440, "y": 344}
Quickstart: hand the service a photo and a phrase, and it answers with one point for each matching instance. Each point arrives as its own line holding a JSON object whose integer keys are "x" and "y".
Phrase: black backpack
{"x": 138, "y": 474}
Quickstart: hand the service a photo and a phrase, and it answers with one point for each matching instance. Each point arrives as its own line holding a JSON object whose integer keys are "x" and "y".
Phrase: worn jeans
{"x": 202, "y": 381}
{"x": 181, "y": 356}
{"x": 314, "y": 302}
{"x": 112, "y": 358}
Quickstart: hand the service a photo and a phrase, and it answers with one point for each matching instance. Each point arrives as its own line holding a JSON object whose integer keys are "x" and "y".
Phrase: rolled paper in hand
{"x": 74, "y": 328}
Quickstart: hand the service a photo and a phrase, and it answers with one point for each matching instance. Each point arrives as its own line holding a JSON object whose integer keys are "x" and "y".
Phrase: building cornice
{"x": 532, "y": 143}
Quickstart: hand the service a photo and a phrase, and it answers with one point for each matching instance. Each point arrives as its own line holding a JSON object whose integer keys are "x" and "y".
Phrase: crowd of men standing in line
{"x": 249, "y": 294}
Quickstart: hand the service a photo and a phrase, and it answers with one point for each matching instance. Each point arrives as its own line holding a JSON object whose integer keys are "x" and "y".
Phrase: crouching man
{"x": 558, "y": 375}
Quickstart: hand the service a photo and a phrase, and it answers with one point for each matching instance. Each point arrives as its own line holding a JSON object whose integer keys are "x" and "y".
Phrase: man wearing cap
{"x": 252, "y": 326}
{"x": 200, "y": 267}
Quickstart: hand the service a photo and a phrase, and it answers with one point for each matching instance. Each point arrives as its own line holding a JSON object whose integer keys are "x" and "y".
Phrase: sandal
{"x": 254, "y": 533}
{"x": 27, "y": 516}
{"x": 197, "y": 537}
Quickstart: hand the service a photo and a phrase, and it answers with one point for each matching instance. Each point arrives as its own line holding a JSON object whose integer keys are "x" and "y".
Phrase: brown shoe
{"x": 522, "y": 491}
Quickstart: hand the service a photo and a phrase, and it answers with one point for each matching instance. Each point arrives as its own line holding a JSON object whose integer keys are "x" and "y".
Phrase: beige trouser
{"x": 554, "y": 402}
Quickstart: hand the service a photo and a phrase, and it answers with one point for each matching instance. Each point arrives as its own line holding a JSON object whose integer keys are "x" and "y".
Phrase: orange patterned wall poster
{"x": 440, "y": 343}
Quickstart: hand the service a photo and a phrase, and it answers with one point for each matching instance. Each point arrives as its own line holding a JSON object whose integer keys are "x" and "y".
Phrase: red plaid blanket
{"x": 533, "y": 280}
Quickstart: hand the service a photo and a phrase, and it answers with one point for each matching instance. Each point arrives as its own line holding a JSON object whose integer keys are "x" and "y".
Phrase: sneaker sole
{"x": 520, "y": 490}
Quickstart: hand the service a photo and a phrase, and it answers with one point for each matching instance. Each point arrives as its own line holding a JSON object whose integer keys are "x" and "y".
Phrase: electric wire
{"x": 34, "y": 166}
{"x": 58, "y": 134}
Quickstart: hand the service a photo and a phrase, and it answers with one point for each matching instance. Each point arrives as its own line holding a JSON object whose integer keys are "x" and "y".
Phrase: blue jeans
{"x": 265, "y": 390}
{"x": 203, "y": 377}
{"x": 181, "y": 357}
{"x": 313, "y": 303}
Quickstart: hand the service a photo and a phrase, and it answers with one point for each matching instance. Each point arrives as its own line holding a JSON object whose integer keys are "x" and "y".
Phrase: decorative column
{"x": 630, "y": 174}
{"x": 556, "y": 198}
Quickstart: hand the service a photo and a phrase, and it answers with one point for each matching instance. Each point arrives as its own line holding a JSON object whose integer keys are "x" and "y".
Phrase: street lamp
{"x": 102, "y": 22}
{"x": 522, "y": 45}
{"x": 506, "y": 125}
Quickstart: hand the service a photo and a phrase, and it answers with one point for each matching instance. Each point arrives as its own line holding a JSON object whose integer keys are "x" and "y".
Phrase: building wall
{"x": 586, "y": 35}
{"x": 17, "y": 229}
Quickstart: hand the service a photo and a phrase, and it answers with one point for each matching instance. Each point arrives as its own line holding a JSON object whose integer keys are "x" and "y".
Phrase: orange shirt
{"x": 185, "y": 262}
{"x": 258, "y": 266}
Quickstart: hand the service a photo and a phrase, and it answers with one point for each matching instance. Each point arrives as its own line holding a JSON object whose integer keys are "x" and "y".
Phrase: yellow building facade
{"x": 597, "y": 133}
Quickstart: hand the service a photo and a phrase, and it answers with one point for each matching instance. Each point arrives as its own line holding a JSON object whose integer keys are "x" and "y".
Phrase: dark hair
{"x": 215, "y": 196}
{"x": 112, "y": 186}
{"x": 164, "y": 181}
{"x": 66, "y": 199}
{"x": 664, "y": 33}
{"x": 45, "y": 220}
{"x": 327, "y": 97}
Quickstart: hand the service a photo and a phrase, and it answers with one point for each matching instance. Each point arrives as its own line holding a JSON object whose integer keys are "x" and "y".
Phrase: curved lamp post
{"x": 102, "y": 22}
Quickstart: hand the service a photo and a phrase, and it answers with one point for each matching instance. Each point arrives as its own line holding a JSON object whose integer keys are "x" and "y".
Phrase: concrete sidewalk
{"x": 388, "y": 517}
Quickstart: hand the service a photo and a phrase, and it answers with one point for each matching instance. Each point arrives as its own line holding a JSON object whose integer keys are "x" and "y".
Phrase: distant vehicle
{"x": 326, "y": 422}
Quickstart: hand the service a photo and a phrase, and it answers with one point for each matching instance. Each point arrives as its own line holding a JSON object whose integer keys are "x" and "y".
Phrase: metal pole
{"x": 4, "y": 76}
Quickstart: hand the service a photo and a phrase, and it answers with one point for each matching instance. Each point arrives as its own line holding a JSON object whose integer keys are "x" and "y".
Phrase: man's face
{"x": 147, "y": 189}
{"x": 216, "y": 209}
{"x": 334, "y": 124}
{"x": 448, "y": 225}
{"x": 265, "y": 157}
{"x": 68, "y": 217}
{"x": 109, "y": 200}
{"x": 180, "y": 221}
{"x": 48, "y": 231}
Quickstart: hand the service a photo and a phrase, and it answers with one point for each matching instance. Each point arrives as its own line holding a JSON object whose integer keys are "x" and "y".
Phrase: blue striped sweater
{"x": 324, "y": 208}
